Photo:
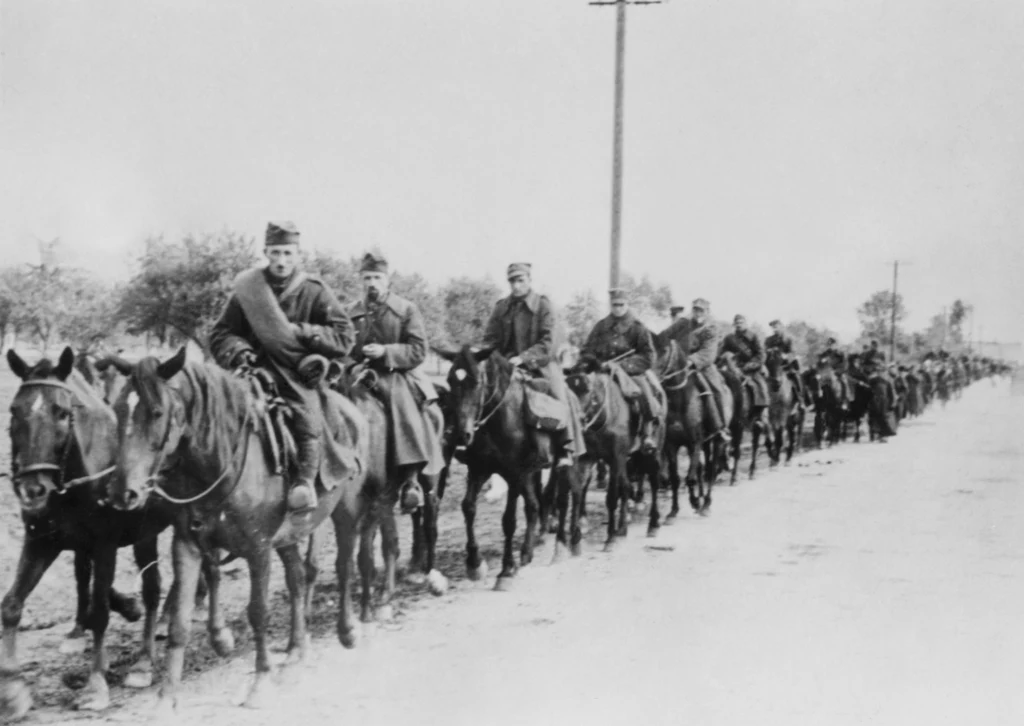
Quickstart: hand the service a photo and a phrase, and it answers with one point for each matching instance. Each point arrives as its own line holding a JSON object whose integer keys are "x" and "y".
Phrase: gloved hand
{"x": 245, "y": 358}
{"x": 605, "y": 368}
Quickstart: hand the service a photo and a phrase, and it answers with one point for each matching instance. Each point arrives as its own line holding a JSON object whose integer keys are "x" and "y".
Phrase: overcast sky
{"x": 779, "y": 154}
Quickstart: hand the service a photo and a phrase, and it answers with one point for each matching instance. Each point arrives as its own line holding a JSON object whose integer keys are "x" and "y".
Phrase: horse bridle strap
{"x": 487, "y": 417}
{"x": 62, "y": 486}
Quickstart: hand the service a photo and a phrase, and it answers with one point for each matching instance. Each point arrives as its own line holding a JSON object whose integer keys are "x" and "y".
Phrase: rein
{"x": 601, "y": 407}
{"x": 61, "y": 485}
{"x": 494, "y": 394}
{"x": 153, "y": 480}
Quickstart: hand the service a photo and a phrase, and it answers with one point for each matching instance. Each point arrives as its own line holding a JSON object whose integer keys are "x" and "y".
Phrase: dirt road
{"x": 869, "y": 584}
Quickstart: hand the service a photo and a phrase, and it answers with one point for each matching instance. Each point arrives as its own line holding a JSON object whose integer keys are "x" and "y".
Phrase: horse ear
{"x": 446, "y": 353}
{"x": 18, "y": 366}
{"x": 172, "y": 366}
{"x": 65, "y": 364}
{"x": 482, "y": 354}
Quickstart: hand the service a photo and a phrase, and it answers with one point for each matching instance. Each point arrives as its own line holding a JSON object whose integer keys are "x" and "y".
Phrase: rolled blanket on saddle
{"x": 645, "y": 390}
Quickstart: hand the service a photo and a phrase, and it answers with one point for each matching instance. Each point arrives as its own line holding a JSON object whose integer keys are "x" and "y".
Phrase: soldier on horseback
{"x": 703, "y": 352}
{"x": 873, "y": 363}
{"x": 835, "y": 359}
{"x": 621, "y": 342}
{"x": 521, "y": 328}
{"x": 779, "y": 341}
{"x": 391, "y": 344}
{"x": 676, "y": 312}
{"x": 745, "y": 345}
{"x": 287, "y": 322}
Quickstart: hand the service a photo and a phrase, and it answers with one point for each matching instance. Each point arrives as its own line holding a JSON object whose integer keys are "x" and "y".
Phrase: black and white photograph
{"x": 482, "y": 362}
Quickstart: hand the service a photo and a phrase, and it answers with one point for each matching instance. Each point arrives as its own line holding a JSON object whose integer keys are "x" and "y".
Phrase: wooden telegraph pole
{"x": 892, "y": 322}
{"x": 620, "y": 83}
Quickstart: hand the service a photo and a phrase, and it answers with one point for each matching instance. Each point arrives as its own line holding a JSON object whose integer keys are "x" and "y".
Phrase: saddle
{"x": 541, "y": 410}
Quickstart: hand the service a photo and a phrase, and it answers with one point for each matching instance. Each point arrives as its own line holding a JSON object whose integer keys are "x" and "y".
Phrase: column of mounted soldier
{"x": 314, "y": 411}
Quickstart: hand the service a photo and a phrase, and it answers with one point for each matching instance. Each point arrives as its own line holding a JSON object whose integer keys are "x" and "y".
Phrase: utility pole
{"x": 620, "y": 90}
{"x": 892, "y": 323}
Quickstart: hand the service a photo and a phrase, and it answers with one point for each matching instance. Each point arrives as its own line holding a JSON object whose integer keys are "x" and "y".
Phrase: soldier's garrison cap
{"x": 700, "y": 304}
{"x": 373, "y": 262}
{"x": 282, "y": 233}
{"x": 518, "y": 268}
{"x": 676, "y": 309}
{"x": 739, "y": 319}
{"x": 617, "y": 294}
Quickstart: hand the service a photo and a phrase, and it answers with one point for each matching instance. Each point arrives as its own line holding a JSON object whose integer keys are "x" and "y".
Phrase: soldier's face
{"x": 740, "y": 326}
{"x": 520, "y": 285}
{"x": 699, "y": 315}
{"x": 619, "y": 309}
{"x": 283, "y": 259}
{"x": 375, "y": 284}
{"x": 776, "y": 329}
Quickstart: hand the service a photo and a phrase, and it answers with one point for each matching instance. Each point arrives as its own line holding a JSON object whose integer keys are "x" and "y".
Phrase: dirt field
{"x": 867, "y": 584}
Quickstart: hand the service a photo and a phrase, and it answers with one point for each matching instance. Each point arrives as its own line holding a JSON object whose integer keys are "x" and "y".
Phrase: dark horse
{"x": 63, "y": 447}
{"x": 785, "y": 415}
{"x": 745, "y": 415}
{"x": 487, "y": 400}
{"x": 829, "y": 405}
{"x": 185, "y": 417}
{"x": 685, "y": 429}
{"x": 612, "y": 432}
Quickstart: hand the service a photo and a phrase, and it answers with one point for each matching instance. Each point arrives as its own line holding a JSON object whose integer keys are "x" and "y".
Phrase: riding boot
{"x": 411, "y": 493}
{"x": 302, "y": 495}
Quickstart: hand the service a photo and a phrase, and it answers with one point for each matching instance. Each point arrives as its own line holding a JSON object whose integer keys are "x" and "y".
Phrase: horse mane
{"x": 466, "y": 360}
{"x": 217, "y": 403}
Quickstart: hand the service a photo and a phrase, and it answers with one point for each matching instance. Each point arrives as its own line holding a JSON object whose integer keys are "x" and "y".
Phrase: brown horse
{"x": 176, "y": 416}
{"x": 487, "y": 400}
{"x": 785, "y": 415}
{"x": 745, "y": 415}
{"x": 63, "y": 447}
{"x": 612, "y": 432}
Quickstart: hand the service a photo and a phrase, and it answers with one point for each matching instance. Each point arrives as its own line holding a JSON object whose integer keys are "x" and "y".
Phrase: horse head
{"x": 469, "y": 388}
{"x": 150, "y": 427}
{"x": 42, "y": 429}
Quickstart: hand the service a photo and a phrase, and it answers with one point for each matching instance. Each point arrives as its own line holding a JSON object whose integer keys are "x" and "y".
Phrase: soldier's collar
{"x": 531, "y": 300}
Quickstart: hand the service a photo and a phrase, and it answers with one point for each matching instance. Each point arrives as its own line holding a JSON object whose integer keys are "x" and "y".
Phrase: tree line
{"x": 178, "y": 288}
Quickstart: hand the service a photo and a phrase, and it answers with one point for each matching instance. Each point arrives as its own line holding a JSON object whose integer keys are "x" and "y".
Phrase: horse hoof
{"x": 652, "y": 532}
{"x": 558, "y": 556}
{"x": 261, "y": 692}
{"x": 437, "y": 582}
{"x": 477, "y": 573}
{"x": 15, "y": 699}
{"x": 366, "y": 615}
{"x": 73, "y": 646}
{"x": 671, "y": 518}
{"x": 576, "y": 549}
{"x": 95, "y": 696}
{"x": 140, "y": 675}
{"x": 223, "y": 642}
{"x": 416, "y": 577}
{"x": 76, "y": 632}
{"x": 385, "y": 614}
{"x": 503, "y": 583}
{"x": 347, "y": 638}
{"x": 609, "y": 545}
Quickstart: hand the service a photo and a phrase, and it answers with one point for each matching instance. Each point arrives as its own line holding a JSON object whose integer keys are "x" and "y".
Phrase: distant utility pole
{"x": 892, "y": 323}
{"x": 620, "y": 82}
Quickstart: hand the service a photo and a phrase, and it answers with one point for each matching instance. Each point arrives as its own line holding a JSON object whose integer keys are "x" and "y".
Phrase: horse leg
{"x": 295, "y": 578}
{"x": 141, "y": 673}
{"x": 694, "y": 473}
{"x": 654, "y": 474}
{"x": 559, "y": 484}
{"x": 475, "y": 569}
{"x": 417, "y": 556}
{"x": 431, "y": 484}
{"x": 346, "y": 532}
{"x": 259, "y": 585}
{"x": 96, "y": 695}
{"x": 734, "y": 452}
{"x": 83, "y": 580}
{"x": 579, "y": 482}
{"x": 531, "y": 508}
{"x": 187, "y": 561}
{"x": 36, "y": 558}
{"x": 367, "y": 568}
{"x": 391, "y": 551}
{"x": 672, "y": 454}
{"x": 221, "y": 638}
{"x": 616, "y": 483}
{"x": 508, "y": 526}
{"x": 793, "y": 431}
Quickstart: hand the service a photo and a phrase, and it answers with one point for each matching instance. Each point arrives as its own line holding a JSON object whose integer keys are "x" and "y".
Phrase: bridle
{"x": 600, "y": 405}
{"x": 489, "y": 396}
{"x": 59, "y": 468}
{"x": 157, "y": 471}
